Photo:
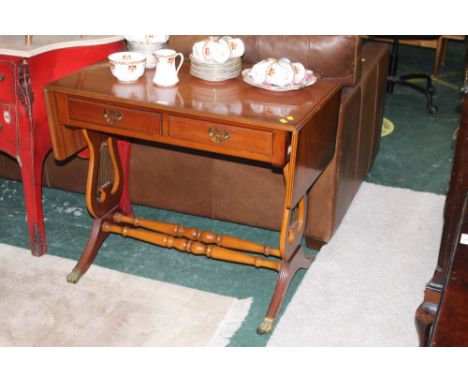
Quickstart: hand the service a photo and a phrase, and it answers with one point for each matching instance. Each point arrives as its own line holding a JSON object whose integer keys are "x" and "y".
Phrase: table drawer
{"x": 216, "y": 134}
{"x": 7, "y": 81}
{"x": 8, "y": 129}
{"x": 113, "y": 118}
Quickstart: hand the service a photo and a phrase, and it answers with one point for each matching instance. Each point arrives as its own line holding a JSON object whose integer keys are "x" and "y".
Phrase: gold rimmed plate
{"x": 214, "y": 71}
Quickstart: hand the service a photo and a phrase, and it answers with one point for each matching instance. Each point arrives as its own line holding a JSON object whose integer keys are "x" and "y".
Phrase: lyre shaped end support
{"x": 103, "y": 191}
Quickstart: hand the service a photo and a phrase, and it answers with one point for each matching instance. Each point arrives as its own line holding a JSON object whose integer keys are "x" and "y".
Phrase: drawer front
{"x": 220, "y": 135}
{"x": 113, "y": 119}
{"x": 7, "y": 81}
{"x": 8, "y": 129}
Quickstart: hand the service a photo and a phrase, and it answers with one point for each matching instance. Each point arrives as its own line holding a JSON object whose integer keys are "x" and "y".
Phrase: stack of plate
{"x": 214, "y": 71}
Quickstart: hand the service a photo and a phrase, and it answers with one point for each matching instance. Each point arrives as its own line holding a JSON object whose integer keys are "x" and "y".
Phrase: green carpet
{"x": 417, "y": 155}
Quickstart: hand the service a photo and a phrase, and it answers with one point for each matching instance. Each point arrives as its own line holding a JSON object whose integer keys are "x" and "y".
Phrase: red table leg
{"x": 31, "y": 173}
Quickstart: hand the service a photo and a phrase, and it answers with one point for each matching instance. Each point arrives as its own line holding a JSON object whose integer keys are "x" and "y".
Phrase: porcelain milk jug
{"x": 166, "y": 71}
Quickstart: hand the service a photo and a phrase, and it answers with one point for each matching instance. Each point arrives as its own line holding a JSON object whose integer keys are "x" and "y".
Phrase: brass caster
{"x": 74, "y": 276}
{"x": 266, "y": 326}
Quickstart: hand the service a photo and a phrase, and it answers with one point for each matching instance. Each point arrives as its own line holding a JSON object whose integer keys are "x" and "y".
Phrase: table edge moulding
{"x": 89, "y": 108}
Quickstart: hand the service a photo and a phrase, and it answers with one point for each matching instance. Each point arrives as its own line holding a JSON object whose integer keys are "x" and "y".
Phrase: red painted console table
{"x": 25, "y": 68}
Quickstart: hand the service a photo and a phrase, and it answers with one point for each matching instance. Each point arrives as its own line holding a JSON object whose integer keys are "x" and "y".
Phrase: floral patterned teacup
{"x": 236, "y": 44}
{"x": 197, "y": 50}
{"x": 280, "y": 72}
{"x": 299, "y": 72}
{"x": 259, "y": 70}
{"x": 218, "y": 50}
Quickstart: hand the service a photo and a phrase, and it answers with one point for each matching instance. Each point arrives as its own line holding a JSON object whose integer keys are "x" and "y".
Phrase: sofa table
{"x": 91, "y": 108}
{"x": 25, "y": 67}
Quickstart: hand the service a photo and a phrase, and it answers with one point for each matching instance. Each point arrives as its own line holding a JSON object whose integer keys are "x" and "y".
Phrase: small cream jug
{"x": 166, "y": 72}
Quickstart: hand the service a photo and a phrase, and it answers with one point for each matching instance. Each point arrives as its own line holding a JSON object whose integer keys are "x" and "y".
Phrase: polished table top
{"x": 233, "y": 99}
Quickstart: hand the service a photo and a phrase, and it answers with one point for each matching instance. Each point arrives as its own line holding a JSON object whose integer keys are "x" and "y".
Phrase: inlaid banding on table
{"x": 198, "y": 235}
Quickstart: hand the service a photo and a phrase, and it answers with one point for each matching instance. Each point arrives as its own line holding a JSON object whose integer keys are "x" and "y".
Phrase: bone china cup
{"x": 299, "y": 72}
{"x": 222, "y": 51}
{"x": 127, "y": 66}
{"x": 209, "y": 49}
{"x": 236, "y": 45}
{"x": 259, "y": 70}
{"x": 197, "y": 50}
{"x": 280, "y": 74}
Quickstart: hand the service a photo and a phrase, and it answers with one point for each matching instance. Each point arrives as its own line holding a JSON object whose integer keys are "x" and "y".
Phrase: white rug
{"x": 106, "y": 308}
{"x": 365, "y": 285}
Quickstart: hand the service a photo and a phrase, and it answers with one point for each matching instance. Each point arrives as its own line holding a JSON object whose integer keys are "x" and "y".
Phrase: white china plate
{"x": 214, "y": 71}
{"x": 213, "y": 77}
{"x": 229, "y": 63}
{"x": 308, "y": 81}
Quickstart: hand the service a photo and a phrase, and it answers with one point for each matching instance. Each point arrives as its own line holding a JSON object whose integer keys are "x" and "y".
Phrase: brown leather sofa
{"x": 209, "y": 185}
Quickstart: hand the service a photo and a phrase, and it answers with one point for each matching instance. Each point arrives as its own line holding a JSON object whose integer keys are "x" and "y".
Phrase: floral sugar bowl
{"x": 127, "y": 66}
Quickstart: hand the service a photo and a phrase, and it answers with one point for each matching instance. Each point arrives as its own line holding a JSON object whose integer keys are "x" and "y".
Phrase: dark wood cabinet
{"x": 442, "y": 318}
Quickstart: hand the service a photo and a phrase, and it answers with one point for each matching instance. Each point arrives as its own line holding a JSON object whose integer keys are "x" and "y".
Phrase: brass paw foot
{"x": 74, "y": 275}
{"x": 266, "y": 326}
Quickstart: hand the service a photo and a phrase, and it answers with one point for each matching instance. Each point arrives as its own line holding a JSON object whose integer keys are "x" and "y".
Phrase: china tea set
{"x": 212, "y": 59}
{"x": 130, "y": 66}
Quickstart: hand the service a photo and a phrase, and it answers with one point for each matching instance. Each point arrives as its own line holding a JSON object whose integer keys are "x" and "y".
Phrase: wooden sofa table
{"x": 294, "y": 131}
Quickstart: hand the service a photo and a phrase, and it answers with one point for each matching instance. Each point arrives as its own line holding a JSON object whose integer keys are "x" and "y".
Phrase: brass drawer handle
{"x": 2, "y": 76}
{"x": 112, "y": 116}
{"x": 218, "y": 136}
